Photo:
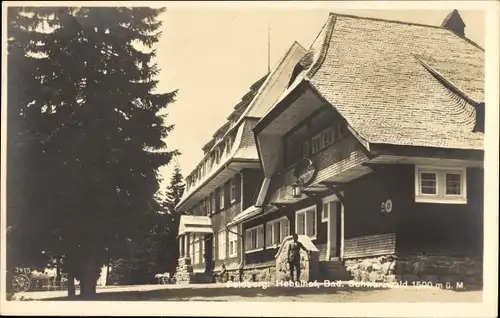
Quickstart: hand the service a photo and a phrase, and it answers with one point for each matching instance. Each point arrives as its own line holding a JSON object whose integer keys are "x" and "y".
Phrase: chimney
{"x": 454, "y": 23}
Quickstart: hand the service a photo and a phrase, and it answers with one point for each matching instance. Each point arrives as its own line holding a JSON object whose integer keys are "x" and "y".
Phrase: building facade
{"x": 375, "y": 151}
{"x": 225, "y": 183}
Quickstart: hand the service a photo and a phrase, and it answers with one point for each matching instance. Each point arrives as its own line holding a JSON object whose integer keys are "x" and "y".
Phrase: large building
{"x": 375, "y": 152}
{"x": 225, "y": 183}
{"x": 373, "y": 149}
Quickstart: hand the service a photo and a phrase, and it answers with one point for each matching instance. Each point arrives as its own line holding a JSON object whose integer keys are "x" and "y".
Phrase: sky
{"x": 213, "y": 55}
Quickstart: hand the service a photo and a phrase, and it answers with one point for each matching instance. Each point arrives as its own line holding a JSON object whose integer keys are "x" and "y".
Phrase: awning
{"x": 250, "y": 212}
{"x": 195, "y": 224}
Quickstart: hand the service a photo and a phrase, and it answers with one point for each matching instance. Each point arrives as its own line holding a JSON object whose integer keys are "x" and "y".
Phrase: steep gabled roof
{"x": 387, "y": 79}
{"x": 261, "y": 97}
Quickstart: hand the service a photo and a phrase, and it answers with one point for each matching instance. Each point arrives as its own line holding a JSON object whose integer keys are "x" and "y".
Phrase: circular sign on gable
{"x": 304, "y": 170}
{"x": 388, "y": 206}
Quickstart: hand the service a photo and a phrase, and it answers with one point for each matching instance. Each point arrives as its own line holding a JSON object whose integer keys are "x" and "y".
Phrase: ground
{"x": 224, "y": 292}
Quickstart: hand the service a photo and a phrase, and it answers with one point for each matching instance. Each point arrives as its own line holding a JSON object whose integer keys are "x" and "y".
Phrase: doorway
{"x": 208, "y": 253}
{"x": 331, "y": 214}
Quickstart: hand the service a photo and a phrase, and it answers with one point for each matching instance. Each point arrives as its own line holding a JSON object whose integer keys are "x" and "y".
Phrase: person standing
{"x": 294, "y": 256}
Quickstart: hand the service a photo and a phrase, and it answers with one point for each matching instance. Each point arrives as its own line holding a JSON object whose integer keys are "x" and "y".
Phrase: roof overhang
{"x": 246, "y": 214}
{"x": 281, "y": 106}
{"x": 195, "y": 224}
{"x": 251, "y": 213}
{"x": 400, "y": 152}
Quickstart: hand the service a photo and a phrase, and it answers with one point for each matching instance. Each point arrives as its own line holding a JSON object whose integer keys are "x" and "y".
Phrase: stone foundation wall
{"x": 184, "y": 271}
{"x": 417, "y": 268}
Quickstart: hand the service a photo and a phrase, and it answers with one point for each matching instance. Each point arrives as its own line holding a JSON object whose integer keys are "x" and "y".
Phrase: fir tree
{"x": 86, "y": 137}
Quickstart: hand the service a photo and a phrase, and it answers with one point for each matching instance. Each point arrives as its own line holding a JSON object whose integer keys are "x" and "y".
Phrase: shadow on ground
{"x": 212, "y": 294}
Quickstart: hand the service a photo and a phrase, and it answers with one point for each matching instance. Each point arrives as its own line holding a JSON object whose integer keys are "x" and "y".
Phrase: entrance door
{"x": 331, "y": 208}
{"x": 208, "y": 252}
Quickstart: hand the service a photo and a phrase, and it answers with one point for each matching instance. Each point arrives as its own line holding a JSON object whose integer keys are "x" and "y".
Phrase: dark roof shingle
{"x": 371, "y": 71}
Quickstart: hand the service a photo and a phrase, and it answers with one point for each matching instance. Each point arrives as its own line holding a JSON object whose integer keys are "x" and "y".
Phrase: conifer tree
{"x": 86, "y": 137}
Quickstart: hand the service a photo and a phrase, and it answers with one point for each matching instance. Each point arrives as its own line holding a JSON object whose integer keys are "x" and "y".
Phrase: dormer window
{"x": 229, "y": 144}
{"x": 217, "y": 155}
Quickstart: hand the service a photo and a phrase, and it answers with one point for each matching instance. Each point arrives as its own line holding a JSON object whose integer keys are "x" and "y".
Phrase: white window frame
{"x": 441, "y": 196}
{"x": 326, "y": 201}
{"x": 232, "y": 190}
{"x": 259, "y": 247}
{"x": 221, "y": 198}
{"x": 203, "y": 250}
{"x": 271, "y": 224}
{"x": 233, "y": 238}
{"x": 317, "y": 137}
{"x": 221, "y": 243}
{"x": 315, "y": 227}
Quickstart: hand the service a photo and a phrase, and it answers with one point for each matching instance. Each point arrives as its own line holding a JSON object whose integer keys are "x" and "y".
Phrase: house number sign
{"x": 386, "y": 206}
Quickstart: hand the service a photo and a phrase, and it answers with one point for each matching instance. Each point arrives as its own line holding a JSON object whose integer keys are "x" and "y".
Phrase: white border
{"x": 487, "y": 308}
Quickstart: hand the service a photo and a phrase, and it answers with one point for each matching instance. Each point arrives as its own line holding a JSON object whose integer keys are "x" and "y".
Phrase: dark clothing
{"x": 294, "y": 250}
{"x": 294, "y": 258}
{"x": 295, "y": 264}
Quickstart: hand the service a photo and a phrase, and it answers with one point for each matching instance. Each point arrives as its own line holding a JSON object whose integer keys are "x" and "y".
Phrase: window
{"x": 196, "y": 250}
{"x": 305, "y": 222}
{"x": 217, "y": 155}
{"x": 203, "y": 249}
{"x": 316, "y": 143}
{"x": 202, "y": 208}
{"x": 328, "y": 207}
{"x": 276, "y": 231}
{"x": 233, "y": 241}
{"x": 221, "y": 197}
{"x": 208, "y": 208}
{"x": 213, "y": 202}
{"x": 453, "y": 184}
{"x": 222, "y": 245}
{"x": 341, "y": 129}
{"x": 440, "y": 185}
{"x": 232, "y": 190}
{"x": 428, "y": 183}
{"x": 229, "y": 144}
{"x": 254, "y": 238}
{"x": 328, "y": 137}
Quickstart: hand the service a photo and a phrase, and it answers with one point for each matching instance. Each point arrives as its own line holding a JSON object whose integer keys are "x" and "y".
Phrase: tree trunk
{"x": 90, "y": 273}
